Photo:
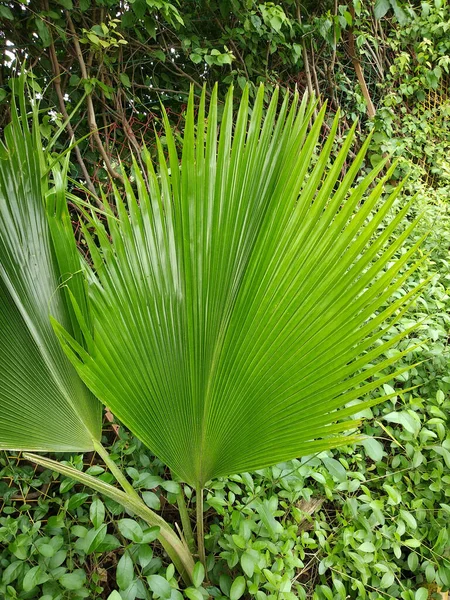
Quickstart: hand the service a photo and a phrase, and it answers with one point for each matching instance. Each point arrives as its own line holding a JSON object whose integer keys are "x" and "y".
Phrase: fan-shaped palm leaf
{"x": 43, "y": 403}
{"x": 239, "y": 303}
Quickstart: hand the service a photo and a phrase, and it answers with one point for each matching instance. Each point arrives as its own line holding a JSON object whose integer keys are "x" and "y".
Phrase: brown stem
{"x": 305, "y": 55}
{"x": 358, "y": 69}
{"x": 62, "y": 107}
{"x": 90, "y": 105}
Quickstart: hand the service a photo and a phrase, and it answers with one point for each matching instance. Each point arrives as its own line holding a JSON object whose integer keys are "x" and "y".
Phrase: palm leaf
{"x": 43, "y": 403}
{"x": 239, "y": 302}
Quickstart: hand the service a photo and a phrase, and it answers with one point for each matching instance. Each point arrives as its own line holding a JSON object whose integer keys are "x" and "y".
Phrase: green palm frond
{"x": 43, "y": 403}
{"x": 240, "y": 300}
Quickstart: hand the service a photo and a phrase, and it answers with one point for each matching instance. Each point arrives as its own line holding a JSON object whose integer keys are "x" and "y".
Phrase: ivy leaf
{"x": 367, "y": 547}
{"x": 238, "y": 588}
{"x": 151, "y": 500}
{"x": 193, "y": 594}
{"x": 73, "y": 581}
{"x": 125, "y": 80}
{"x": 374, "y": 449}
{"x": 125, "y": 572}
{"x": 171, "y": 486}
{"x": 97, "y": 512}
{"x": 335, "y": 469}
{"x": 33, "y": 578}
{"x": 159, "y": 586}
{"x": 381, "y": 7}
{"x": 394, "y": 495}
{"x": 68, "y": 4}
{"x": 248, "y": 562}
{"x": 196, "y": 58}
{"x": 94, "y": 538}
{"x": 43, "y": 32}
{"x": 409, "y": 422}
{"x": 131, "y": 530}
{"x": 6, "y": 13}
{"x": 198, "y": 575}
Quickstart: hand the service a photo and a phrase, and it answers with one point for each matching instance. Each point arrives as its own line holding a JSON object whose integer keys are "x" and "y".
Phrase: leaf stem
{"x": 200, "y": 525}
{"x": 174, "y": 546}
{"x": 120, "y": 477}
{"x": 185, "y": 520}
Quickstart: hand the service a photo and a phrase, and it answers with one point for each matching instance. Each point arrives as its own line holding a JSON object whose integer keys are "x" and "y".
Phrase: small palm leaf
{"x": 43, "y": 403}
{"x": 239, "y": 303}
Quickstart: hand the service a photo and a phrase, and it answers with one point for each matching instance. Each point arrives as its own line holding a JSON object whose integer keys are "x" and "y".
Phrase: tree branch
{"x": 90, "y": 105}
{"x": 62, "y": 107}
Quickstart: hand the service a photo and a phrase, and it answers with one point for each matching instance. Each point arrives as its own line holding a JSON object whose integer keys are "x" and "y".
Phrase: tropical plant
{"x": 236, "y": 302}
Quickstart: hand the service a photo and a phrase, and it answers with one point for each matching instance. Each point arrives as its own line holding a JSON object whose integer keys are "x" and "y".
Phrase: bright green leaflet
{"x": 238, "y": 299}
{"x": 44, "y": 405}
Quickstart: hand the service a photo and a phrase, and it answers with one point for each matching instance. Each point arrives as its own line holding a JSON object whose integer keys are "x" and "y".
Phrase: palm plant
{"x": 235, "y": 303}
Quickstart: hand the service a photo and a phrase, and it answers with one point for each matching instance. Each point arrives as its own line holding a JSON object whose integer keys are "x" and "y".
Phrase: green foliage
{"x": 220, "y": 335}
{"x": 43, "y": 403}
{"x": 412, "y": 116}
{"x": 366, "y": 521}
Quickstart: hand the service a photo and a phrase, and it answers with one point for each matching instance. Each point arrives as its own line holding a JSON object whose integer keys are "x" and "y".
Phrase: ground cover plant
{"x": 366, "y": 520}
{"x": 324, "y": 217}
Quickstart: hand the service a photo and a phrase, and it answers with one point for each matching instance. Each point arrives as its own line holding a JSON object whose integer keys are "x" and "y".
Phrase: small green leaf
{"x": 43, "y": 32}
{"x": 73, "y": 581}
{"x": 125, "y": 80}
{"x": 248, "y": 563}
{"x": 367, "y": 547}
{"x": 193, "y": 594}
{"x": 335, "y": 469}
{"x": 125, "y": 571}
{"x": 76, "y": 500}
{"x": 408, "y": 518}
{"x": 12, "y": 571}
{"x": 114, "y": 596}
{"x": 145, "y": 555}
{"x": 238, "y": 588}
{"x": 171, "y": 486}
{"x": 34, "y": 577}
{"x": 6, "y": 13}
{"x": 394, "y": 495}
{"x": 407, "y": 420}
{"x": 93, "y": 38}
{"x": 159, "y": 586}
{"x": 151, "y": 500}
{"x": 412, "y": 543}
{"x": 131, "y": 530}
{"x": 374, "y": 449}
{"x": 97, "y": 512}
{"x": 94, "y": 538}
{"x": 413, "y": 561}
{"x": 387, "y": 580}
{"x": 198, "y": 574}
{"x": 421, "y": 594}
{"x": 149, "y": 535}
{"x": 380, "y": 8}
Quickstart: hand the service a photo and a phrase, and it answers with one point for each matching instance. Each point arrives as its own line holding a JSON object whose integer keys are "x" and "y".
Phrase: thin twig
{"x": 90, "y": 105}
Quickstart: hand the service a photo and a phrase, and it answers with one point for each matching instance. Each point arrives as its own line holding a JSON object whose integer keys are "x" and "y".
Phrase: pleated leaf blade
{"x": 44, "y": 405}
{"x": 240, "y": 292}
